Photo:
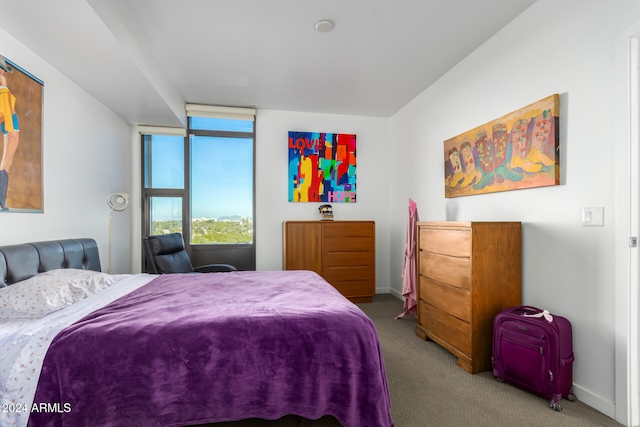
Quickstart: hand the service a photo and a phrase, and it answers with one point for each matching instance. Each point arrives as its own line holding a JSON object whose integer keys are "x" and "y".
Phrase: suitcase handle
{"x": 539, "y": 313}
{"x": 531, "y": 308}
{"x": 565, "y": 362}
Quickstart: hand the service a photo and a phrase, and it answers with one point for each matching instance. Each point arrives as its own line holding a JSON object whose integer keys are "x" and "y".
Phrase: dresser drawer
{"x": 342, "y": 273}
{"x": 347, "y": 229}
{"x": 354, "y": 288}
{"x": 446, "y": 327}
{"x": 446, "y": 242}
{"x": 455, "y": 301}
{"x": 341, "y": 259}
{"x": 347, "y": 244}
{"x": 450, "y": 270}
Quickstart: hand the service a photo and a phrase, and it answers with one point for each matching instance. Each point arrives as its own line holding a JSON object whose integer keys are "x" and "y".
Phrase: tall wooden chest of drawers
{"x": 467, "y": 272}
{"x": 343, "y": 252}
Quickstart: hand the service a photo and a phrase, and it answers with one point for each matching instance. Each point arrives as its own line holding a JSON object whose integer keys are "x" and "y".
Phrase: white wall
{"x": 272, "y": 205}
{"x": 564, "y": 47}
{"x": 86, "y": 157}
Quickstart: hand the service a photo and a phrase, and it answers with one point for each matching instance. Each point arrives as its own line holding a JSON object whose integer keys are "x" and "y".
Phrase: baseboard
{"x": 390, "y": 291}
{"x": 397, "y": 294}
{"x": 596, "y": 402}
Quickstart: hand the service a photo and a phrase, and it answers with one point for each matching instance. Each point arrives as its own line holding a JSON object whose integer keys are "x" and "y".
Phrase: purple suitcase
{"x": 533, "y": 353}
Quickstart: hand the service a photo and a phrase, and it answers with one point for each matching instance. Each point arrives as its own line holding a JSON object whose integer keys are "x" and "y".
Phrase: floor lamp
{"x": 117, "y": 202}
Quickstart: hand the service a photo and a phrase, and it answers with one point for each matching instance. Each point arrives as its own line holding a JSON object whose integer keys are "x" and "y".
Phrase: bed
{"x": 179, "y": 349}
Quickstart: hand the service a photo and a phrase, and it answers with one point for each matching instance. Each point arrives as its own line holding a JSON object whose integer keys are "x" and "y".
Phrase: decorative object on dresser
{"x": 327, "y": 212}
{"x": 343, "y": 252}
{"x": 467, "y": 273}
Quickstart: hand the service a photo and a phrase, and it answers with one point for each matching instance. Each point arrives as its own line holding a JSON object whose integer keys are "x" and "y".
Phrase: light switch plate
{"x": 593, "y": 217}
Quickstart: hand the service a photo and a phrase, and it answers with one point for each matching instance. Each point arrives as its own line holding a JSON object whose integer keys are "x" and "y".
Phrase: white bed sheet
{"x": 24, "y": 344}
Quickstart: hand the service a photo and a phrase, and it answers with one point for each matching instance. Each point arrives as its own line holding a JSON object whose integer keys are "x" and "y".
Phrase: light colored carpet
{"x": 428, "y": 388}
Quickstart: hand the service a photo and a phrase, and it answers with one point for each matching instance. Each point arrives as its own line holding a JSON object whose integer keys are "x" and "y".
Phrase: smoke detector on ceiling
{"x": 324, "y": 26}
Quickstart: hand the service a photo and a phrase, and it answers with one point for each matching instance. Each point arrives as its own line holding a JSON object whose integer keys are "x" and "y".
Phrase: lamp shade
{"x": 118, "y": 201}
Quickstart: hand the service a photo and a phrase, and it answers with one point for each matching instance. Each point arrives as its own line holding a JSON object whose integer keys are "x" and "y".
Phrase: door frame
{"x": 627, "y": 166}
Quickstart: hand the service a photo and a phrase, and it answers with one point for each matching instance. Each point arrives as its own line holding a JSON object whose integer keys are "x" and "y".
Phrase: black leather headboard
{"x": 19, "y": 262}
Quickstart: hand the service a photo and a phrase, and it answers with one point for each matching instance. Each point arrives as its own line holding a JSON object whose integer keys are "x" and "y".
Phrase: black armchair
{"x": 166, "y": 254}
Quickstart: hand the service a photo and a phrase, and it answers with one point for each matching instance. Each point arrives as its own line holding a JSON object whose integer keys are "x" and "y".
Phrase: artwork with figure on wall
{"x": 322, "y": 167}
{"x": 519, "y": 150}
{"x": 21, "y": 96}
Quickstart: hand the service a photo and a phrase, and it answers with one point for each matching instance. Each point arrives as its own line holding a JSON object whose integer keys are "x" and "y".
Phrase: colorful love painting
{"x": 322, "y": 167}
{"x": 519, "y": 150}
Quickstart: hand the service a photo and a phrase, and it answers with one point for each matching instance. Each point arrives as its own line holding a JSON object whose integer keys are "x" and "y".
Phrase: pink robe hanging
{"x": 409, "y": 269}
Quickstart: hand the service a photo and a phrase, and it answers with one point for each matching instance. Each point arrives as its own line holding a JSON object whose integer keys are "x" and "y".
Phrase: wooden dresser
{"x": 467, "y": 273}
{"x": 343, "y": 252}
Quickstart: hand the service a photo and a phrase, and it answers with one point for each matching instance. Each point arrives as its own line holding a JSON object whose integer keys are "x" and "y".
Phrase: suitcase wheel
{"x": 500, "y": 380}
{"x": 571, "y": 397}
{"x": 556, "y": 406}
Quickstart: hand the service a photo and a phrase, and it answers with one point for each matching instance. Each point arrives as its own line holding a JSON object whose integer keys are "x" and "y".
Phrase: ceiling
{"x": 144, "y": 59}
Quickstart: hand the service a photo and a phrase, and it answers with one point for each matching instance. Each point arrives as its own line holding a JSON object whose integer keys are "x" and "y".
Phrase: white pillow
{"x": 47, "y": 292}
{"x": 88, "y": 280}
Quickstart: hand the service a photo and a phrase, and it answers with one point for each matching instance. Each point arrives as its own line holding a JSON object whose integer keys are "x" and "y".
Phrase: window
{"x": 166, "y": 215}
{"x": 163, "y": 186}
{"x": 165, "y": 161}
{"x": 202, "y": 185}
{"x": 221, "y": 190}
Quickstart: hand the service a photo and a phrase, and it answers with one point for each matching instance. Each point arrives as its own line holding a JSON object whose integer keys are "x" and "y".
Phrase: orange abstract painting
{"x": 519, "y": 150}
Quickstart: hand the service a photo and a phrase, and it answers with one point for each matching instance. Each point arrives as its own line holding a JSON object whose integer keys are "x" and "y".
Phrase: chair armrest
{"x": 215, "y": 268}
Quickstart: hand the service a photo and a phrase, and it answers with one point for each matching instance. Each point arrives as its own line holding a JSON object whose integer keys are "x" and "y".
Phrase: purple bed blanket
{"x": 187, "y": 349}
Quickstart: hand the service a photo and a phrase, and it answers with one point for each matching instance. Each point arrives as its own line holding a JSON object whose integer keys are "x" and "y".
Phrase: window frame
{"x": 147, "y": 193}
{"x": 198, "y": 250}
